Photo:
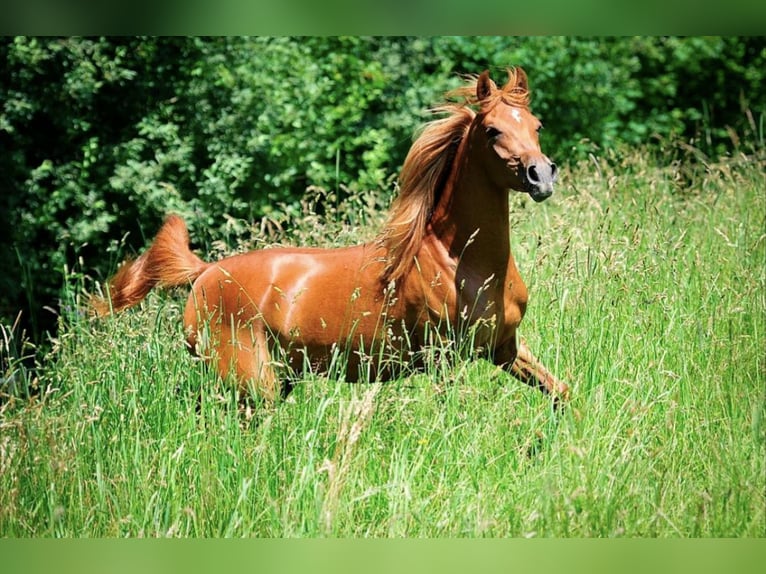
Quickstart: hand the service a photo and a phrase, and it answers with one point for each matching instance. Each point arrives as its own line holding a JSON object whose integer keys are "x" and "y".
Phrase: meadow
{"x": 647, "y": 280}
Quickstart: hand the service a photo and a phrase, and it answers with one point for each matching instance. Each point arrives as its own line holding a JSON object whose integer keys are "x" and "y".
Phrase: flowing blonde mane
{"x": 428, "y": 165}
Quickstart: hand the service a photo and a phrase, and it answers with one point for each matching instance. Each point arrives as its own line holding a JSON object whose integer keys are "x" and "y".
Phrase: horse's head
{"x": 505, "y": 126}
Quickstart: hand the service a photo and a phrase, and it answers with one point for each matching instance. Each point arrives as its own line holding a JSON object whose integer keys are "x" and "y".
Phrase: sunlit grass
{"x": 648, "y": 295}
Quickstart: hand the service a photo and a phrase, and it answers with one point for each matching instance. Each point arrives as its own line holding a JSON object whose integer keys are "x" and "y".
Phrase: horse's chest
{"x": 471, "y": 301}
{"x": 500, "y": 301}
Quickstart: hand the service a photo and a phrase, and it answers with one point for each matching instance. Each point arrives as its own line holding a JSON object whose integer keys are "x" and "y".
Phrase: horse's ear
{"x": 521, "y": 79}
{"x": 484, "y": 86}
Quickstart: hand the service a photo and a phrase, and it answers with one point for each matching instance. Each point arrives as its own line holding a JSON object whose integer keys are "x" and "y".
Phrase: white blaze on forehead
{"x": 516, "y": 114}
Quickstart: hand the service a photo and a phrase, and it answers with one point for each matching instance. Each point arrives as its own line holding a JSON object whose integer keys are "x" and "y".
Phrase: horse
{"x": 440, "y": 269}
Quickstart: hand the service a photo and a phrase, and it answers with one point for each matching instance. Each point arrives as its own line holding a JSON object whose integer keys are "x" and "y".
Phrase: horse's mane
{"x": 428, "y": 165}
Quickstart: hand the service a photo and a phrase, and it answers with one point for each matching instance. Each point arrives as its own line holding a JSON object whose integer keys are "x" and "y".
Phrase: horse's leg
{"x": 528, "y": 369}
{"x": 245, "y": 354}
{"x": 523, "y": 365}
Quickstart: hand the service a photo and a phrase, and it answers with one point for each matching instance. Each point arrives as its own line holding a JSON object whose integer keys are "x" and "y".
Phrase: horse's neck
{"x": 471, "y": 219}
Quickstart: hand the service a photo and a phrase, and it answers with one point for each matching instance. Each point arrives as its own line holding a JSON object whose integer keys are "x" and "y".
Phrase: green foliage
{"x": 647, "y": 295}
{"x": 101, "y": 137}
{"x": 71, "y": 123}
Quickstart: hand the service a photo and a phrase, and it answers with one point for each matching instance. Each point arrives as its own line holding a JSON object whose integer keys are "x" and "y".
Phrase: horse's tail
{"x": 167, "y": 263}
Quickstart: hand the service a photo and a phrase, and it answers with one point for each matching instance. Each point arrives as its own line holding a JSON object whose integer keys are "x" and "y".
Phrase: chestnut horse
{"x": 441, "y": 269}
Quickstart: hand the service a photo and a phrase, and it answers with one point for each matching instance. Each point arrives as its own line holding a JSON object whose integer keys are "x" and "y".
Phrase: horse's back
{"x": 303, "y": 291}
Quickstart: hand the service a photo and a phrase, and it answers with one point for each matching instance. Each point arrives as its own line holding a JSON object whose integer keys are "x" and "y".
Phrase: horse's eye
{"x": 492, "y": 133}
{"x": 539, "y": 128}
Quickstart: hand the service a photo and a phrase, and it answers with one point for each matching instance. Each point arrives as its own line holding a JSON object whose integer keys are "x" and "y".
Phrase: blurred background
{"x": 100, "y": 138}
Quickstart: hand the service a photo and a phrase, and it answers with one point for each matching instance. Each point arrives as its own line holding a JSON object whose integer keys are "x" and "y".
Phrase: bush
{"x": 100, "y": 138}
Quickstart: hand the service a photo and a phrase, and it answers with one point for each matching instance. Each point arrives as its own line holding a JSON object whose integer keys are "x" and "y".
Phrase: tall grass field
{"x": 647, "y": 295}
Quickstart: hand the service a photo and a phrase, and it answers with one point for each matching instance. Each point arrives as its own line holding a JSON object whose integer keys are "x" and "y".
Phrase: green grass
{"x": 648, "y": 295}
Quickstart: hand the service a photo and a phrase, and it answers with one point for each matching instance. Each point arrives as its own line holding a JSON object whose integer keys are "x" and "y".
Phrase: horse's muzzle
{"x": 539, "y": 176}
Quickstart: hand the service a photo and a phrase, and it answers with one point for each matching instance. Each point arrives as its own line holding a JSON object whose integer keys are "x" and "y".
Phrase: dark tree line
{"x": 101, "y": 137}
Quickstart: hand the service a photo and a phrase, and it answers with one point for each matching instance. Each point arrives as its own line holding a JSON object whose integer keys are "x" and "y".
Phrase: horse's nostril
{"x": 532, "y": 174}
{"x": 554, "y": 170}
